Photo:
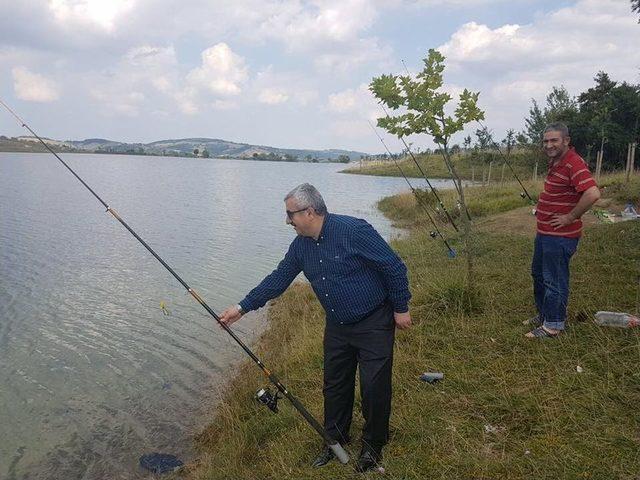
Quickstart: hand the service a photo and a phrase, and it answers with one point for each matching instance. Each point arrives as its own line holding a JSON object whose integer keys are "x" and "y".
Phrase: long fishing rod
{"x": 335, "y": 446}
{"x": 452, "y": 252}
{"x": 431, "y": 187}
{"x": 504, "y": 158}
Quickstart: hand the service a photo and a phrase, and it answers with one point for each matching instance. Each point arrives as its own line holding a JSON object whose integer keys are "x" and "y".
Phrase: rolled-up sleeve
{"x": 275, "y": 283}
{"x": 379, "y": 256}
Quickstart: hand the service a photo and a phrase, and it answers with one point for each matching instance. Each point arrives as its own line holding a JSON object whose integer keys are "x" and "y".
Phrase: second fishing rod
{"x": 524, "y": 193}
{"x": 335, "y": 446}
{"x": 436, "y": 231}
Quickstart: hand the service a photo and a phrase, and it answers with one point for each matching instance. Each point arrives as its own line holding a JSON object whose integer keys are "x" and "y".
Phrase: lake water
{"x": 93, "y": 374}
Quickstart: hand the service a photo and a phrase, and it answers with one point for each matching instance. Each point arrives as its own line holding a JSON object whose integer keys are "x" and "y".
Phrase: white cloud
{"x": 354, "y": 108}
{"x": 224, "y": 105}
{"x": 222, "y": 72}
{"x": 343, "y": 101}
{"x": 333, "y": 31}
{"x": 33, "y": 87}
{"x": 102, "y": 13}
{"x": 513, "y": 63}
{"x": 356, "y": 54}
{"x": 149, "y": 56}
{"x": 274, "y": 87}
{"x": 303, "y": 27}
{"x": 354, "y": 100}
{"x": 272, "y": 96}
{"x": 119, "y": 103}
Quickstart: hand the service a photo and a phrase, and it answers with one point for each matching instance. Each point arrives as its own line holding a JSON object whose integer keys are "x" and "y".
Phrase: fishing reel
{"x": 433, "y": 234}
{"x": 268, "y": 399}
{"x": 523, "y": 195}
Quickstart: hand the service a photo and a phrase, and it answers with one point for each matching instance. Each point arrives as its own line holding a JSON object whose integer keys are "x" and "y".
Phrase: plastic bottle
{"x": 629, "y": 212}
{"x": 431, "y": 377}
{"x": 616, "y": 319}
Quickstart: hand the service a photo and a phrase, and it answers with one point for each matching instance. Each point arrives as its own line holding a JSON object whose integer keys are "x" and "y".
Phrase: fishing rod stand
{"x": 268, "y": 399}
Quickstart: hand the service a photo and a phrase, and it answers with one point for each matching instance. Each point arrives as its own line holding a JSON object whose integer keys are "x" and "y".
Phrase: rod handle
{"x": 339, "y": 452}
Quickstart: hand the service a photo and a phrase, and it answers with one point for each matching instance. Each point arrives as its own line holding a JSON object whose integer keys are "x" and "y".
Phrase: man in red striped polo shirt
{"x": 569, "y": 191}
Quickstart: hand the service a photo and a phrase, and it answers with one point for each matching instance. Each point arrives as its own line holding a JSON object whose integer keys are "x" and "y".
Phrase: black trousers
{"x": 369, "y": 345}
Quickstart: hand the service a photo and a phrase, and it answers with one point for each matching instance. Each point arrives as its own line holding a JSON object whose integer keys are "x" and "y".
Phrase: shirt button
{"x": 320, "y": 261}
{"x": 323, "y": 278}
{"x": 317, "y": 244}
{"x": 326, "y": 295}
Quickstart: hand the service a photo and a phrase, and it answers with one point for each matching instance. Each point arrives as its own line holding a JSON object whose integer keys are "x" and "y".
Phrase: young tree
{"x": 467, "y": 142}
{"x": 424, "y": 106}
{"x": 510, "y": 140}
{"x": 534, "y": 125}
{"x": 560, "y": 106}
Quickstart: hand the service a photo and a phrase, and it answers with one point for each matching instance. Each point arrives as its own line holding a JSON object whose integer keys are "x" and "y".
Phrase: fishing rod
{"x": 431, "y": 187}
{"x": 335, "y": 446}
{"x": 524, "y": 192}
{"x": 436, "y": 232}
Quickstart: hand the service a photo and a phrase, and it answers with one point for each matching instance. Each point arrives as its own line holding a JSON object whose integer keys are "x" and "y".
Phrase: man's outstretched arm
{"x": 272, "y": 286}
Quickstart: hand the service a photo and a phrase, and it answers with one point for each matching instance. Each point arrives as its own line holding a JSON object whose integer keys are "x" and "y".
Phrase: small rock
{"x": 579, "y": 369}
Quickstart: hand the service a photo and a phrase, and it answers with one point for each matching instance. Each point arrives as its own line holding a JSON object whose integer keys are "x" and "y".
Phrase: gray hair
{"x": 307, "y": 196}
{"x": 557, "y": 127}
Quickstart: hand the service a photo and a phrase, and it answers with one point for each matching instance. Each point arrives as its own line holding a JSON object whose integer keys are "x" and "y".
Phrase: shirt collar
{"x": 326, "y": 228}
{"x": 568, "y": 154}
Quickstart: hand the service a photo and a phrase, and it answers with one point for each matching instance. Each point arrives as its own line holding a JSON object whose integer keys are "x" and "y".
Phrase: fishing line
{"x": 452, "y": 252}
{"x": 505, "y": 159}
{"x": 335, "y": 446}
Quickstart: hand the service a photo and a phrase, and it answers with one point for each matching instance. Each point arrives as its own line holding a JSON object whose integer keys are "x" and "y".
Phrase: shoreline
{"x": 487, "y": 419}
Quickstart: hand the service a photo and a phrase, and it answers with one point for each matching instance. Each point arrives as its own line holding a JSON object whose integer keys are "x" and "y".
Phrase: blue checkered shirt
{"x": 350, "y": 267}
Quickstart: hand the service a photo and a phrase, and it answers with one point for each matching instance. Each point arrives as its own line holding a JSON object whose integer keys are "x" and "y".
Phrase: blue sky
{"x": 289, "y": 73}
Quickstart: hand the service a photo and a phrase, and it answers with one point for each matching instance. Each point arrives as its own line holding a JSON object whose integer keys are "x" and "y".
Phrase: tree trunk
{"x": 627, "y": 169}
{"x": 466, "y": 222}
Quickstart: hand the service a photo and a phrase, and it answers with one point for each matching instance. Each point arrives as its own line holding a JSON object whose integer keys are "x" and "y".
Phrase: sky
{"x": 290, "y": 73}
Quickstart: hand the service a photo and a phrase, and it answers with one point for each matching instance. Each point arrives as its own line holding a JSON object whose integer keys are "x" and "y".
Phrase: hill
{"x": 201, "y": 147}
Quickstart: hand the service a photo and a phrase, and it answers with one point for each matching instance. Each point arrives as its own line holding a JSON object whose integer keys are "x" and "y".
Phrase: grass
{"x": 481, "y": 201}
{"x": 468, "y": 166}
{"x": 508, "y": 408}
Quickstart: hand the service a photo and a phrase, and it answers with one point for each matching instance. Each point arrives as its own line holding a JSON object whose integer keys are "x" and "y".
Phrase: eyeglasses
{"x": 290, "y": 214}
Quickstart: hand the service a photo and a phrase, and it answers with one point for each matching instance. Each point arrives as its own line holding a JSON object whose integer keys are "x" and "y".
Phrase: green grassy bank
{"x": 472, "y": 165}
{"x": 508, "y": 408}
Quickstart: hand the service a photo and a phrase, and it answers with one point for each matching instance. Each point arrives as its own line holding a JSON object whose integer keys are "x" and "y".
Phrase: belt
{"x": 382, "y": 305}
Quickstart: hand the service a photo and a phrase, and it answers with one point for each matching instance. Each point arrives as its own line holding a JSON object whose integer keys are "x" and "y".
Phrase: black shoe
{"x": 325, "y": 457}
{"x": 368, "y": 460}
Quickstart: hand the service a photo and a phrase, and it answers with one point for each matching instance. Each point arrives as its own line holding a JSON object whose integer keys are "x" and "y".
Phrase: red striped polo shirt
{"x": 563, "y": 188}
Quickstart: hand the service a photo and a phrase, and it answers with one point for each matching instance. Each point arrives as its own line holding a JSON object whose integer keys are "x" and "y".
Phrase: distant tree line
{"x": 605, "y": 116}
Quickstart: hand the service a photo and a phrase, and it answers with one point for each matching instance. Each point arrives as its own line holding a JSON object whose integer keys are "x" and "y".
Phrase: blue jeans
{"x": 550, "y": 272}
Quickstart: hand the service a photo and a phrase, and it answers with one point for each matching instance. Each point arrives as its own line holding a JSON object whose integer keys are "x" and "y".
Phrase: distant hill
{"x": 200, "y": 147}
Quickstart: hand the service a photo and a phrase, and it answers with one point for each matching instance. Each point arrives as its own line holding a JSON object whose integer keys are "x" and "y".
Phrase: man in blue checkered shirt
{"x": 362, "y": 285}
